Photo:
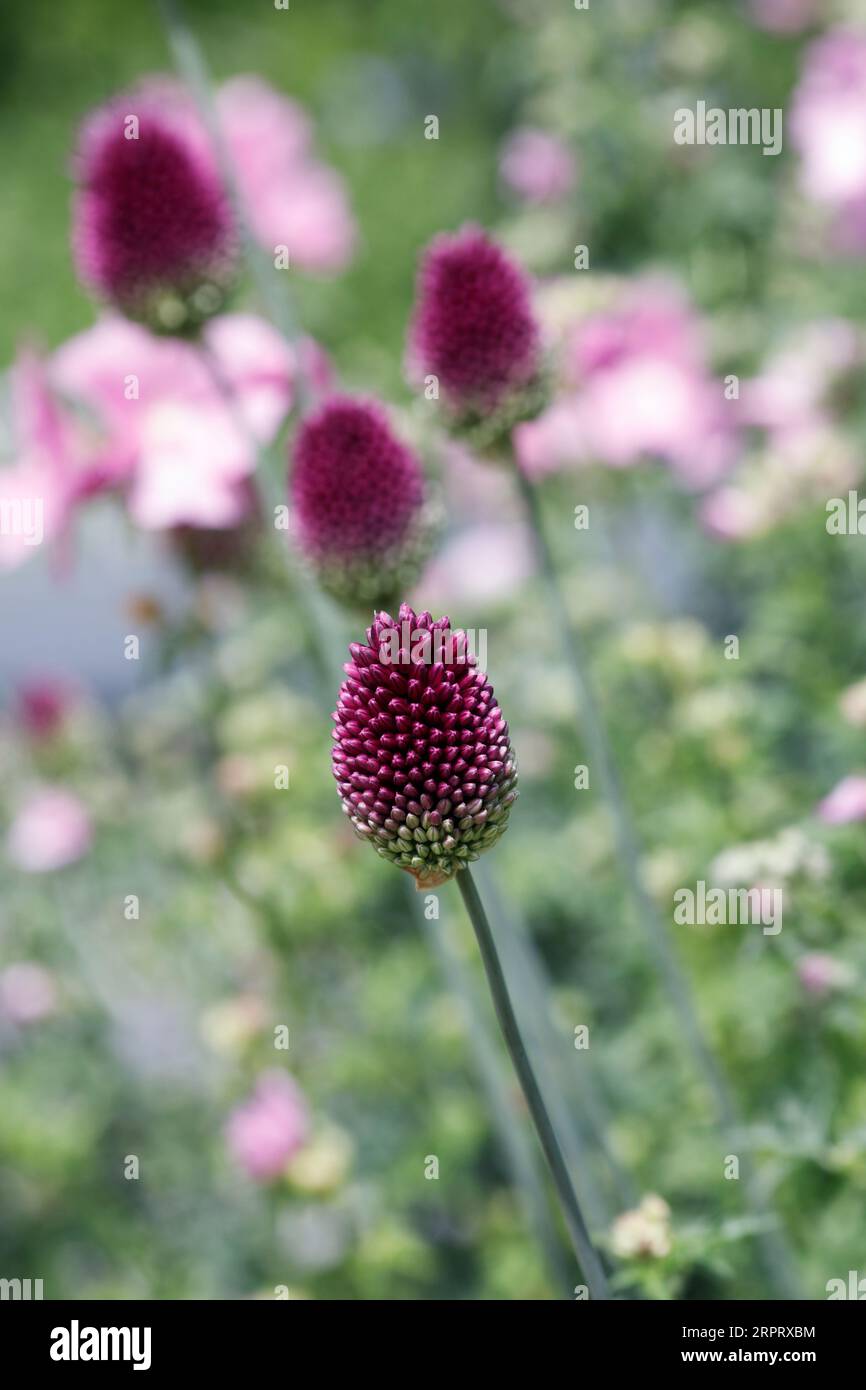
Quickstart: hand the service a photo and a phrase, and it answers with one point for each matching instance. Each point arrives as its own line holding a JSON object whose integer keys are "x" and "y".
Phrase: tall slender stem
{"x": 590, "y": 1262}
{"x": 777, "y": 1259}
{"x": 514, "y": 1137}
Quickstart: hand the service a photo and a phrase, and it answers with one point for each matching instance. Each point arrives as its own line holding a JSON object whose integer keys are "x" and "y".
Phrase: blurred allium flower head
{"x": 41, "y": 708}
{"x": 359, "y": 501}
{"x": 537, "y": 166}
{"x": 474, "y": 329}
{"x": 154, "y": 231}
{"x": 422, "y": 755}
{"x": 267, "y": 1130}
{"x": 52, "y": 829}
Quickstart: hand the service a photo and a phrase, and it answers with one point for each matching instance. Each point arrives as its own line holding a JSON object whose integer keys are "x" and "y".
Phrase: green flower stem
{"x": 777, "y": 1259}
{"x": 590, "y": 1262}
{"x": 189, "y": 61}
{"x": 513, "y": 1136}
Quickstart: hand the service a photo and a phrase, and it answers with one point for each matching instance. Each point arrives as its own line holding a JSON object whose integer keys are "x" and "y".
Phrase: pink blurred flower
{"x": 185, "y": 451}
{"x": 828, "y": 127}
{"x": 784, "y": 16}
{"x": 791, "y": 390}
{"x": 28, "y": 993}
{"x": 52, "y": 829}
{"x": 730, "y": 514}
{"x": 637, "y": 386}
{"x": 483, "y": 564}
{"x": 799, "y": 465}
{"x": 820, "y": 974}
{"x": 554, "y": 440}
{"x": 845, "y": 803}
{"x": 291, "y": 198}
{"x": 55, "y": 464}
{"x": 266, "y": 1131}
{"x": 537, "y": 166}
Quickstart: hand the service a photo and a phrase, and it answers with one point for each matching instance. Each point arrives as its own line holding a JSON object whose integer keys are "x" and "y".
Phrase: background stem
{"x": 776, "y": 1256}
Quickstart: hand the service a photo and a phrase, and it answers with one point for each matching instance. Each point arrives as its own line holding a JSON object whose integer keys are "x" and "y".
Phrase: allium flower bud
{"x": 358, "y": 494}
{"x": 422, "y": 755}
{"x": 475, "y": 331}
{"x": 154, "y": 232}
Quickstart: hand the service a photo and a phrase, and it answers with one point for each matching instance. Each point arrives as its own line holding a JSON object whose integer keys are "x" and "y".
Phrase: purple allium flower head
{"x": 422, "y": 755}
{"x": 154, "y": 232}
{"x": 359, "y": 500}
{"x": 474, "y": 327}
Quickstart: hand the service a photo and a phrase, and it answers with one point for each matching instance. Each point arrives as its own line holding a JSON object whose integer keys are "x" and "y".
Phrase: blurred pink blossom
{"x": 846, "y": 802}
{"x": 537, "y": 166}
{"x": 52, "y": 829}
{"x": 482, "y": 564}
{"x": 553, "y": 440}
{"x": 266, "y": 1131}
{"x": 637, "y": 385}
{"x": 820, "y": 973}
{"x": 792, "y": 389}
{"x": 291, "y": 198}
{"x": 53, "y": 467}
{"x": 828, "y": 127}
{"x": 799, "y": 465}
{"x": 28, "y": 992}
{"x": 784, "y": 16}
{"x": 730, "y": 514}
{"x": 184, "y": 448}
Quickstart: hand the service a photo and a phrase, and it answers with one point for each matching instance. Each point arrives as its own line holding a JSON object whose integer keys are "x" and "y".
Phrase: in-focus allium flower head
{"x": 359, "y": 500}
{"x": 154, "y": 232}
{"x": 422, "y": 755}
{"x": 474, "y": 329}
{"x": 268, "y": 1129}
